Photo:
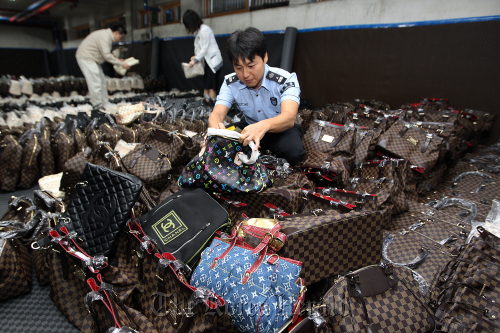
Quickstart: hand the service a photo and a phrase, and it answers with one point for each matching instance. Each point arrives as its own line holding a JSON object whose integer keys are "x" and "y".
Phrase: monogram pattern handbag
{"x": 224, "y": 165}
{"x": 252, "y": 282}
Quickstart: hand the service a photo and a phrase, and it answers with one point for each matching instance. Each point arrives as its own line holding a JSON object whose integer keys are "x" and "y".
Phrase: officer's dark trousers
{"x": 287, "y": 144}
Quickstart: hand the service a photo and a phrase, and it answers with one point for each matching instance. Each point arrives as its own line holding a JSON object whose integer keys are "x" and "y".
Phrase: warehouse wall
{"x": 18, "y": 36}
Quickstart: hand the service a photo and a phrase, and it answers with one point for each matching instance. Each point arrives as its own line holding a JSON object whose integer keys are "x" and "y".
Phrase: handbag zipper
{"x": 191, "y": 239}
{"x": 112, "y": 131}
{"x": 67, "y": 150}
{"x": 34, "y": 149}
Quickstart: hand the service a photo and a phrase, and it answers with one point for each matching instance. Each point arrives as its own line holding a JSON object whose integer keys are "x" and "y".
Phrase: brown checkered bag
{"x": 141, "y": 132}
{"x": 29, "y": 164}
{"x": 65, "y": 146}
{"x": 412, "y": 143}
{"x": 128, "y": 134}
{"x": 73, "y": 169}
{"x": 315, "y": 202}
{"x": 450, "y": 132}
{"x": 100, "y": 155}
{"x": 194, "y": 124}
{"x": 94, "y": 138}
{"x": 445, "y": 116}
{"x": 285, "y": 193}
{"x": 108, "y": 312}
{"x": 15, "y": 265}
{"x": 330, "y": 243}
{"x": 367, "y": 120}
{"x": 323, "y": 166}
{"x": 432, "y": 178}
{"x": 337, "y": 112}
{"x": 80, "y": 140}
{"x": 167, "y": 143}
{"x": 379, "y": 298}
{"x": 362, "y": 200}
{"x": 10, "y": 166}
{"x": 110, "y": 134}
{"x": 389, "y": 191}
{"x": 149, "y": 165}
{"x": 70, "y": 267}
{"x": 46, "y": 161}
{"x": 330, "y": 138}
{"x": 162, "y": 278}
{"x": 365, "y": 142}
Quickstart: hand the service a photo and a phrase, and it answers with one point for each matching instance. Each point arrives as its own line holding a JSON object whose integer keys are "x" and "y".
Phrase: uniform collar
{"x": 264, "y": 84}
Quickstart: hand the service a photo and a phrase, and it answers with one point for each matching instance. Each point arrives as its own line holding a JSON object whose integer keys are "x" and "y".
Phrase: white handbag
{"x": 129, "y": 61}
{"x": 52, "y": 183}
{"x": 126, "y": 114}
{"x": 196, "y": 70}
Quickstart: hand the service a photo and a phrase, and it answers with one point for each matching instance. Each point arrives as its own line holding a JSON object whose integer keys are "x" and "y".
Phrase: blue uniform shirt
{"x": 277, "y": 86}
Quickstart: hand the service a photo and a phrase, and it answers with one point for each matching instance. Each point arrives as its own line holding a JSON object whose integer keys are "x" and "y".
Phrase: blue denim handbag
{"x": 263, "y": 291}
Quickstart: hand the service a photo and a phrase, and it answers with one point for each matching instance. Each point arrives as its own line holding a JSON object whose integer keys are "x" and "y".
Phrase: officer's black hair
{"x": 192, "y": 21}
{"x": 246, "y": 44}
{"x": 120, "y": 28}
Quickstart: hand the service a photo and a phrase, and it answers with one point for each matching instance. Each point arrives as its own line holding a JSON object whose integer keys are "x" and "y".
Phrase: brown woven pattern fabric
{"x": 99, "y": 155}
{"x": 364, "y": 142}
{"x": 399, "y": 309}
{"x": 10, "y": 165}
{"x": 80, "y": 140}
{"x": 152, "y": 172}
{"x": 68, "y": 291}
{"x": 29, "y": 164}
{"x": 192, "y": 146}
{"x": 41, "y": 262}
{"x": 362, "y": 202}
{"x": 285, "y": 194}
{"x": 368, "y": 121}
{"x": 330, "y": 244}
{"x": 47, "y": 164}
{"x": 432, "y": 178}
{"x": 329, "y": 138}
{"x": 389, "y": 192}
{"x": 15, "y": 270}
{"x": 433, "y": 116}
{"x": 128, "y": 134}
{"x": 168, "y": 144}
{"x": 94, "y": 139}
{"x": 72, "y": 171}
{"x": 111, "y": 135}
{"x": 65, "y": 149}
{"x": 409, "y": 146}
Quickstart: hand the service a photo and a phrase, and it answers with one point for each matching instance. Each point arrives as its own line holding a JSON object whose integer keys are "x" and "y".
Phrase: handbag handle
{"x": 236, "y": 136}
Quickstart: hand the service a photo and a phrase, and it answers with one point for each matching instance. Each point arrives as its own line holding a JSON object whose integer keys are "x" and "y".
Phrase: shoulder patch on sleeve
{"x": 275, "y": 77}
{"x": 233, "y": 78}
{"x": 286, "y": 86}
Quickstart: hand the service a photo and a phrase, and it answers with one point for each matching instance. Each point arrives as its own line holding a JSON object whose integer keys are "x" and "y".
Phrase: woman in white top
{"x": 205, "y": 50}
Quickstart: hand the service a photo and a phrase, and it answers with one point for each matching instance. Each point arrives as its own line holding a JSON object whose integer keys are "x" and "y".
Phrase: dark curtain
{"x": 398, "y": 65}
{"x": 27, "y": 62}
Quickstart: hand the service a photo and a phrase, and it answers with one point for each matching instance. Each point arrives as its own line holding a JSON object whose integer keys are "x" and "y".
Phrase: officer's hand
{"x": 125, "y": 65}
{"x": 254, "y": 132}
{"x": 221, "y": 126}
{"x": 192, "y": 58}
{"x": 191, "y": 63}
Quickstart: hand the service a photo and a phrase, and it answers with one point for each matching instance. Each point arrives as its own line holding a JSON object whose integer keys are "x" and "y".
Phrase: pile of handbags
{"x": 167, "y": 225}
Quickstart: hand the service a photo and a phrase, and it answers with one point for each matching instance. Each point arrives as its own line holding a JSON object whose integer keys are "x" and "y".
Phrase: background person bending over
{"x": 268, "y": 97}
{"x": 94, "y": 50}
{"x": 206, "y": 50}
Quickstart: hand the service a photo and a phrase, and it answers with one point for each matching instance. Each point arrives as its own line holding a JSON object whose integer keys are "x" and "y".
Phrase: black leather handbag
{"x": 100, "y": 206}
{"x": 184, "y": 223}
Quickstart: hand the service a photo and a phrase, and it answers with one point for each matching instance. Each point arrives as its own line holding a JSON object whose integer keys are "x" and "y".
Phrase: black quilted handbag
{"x": 100, "y": 206}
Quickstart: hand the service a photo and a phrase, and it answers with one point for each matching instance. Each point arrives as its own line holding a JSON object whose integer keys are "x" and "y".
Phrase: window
{"x": 108, "y": 23}
{"x": 147, "y": 17}
{"x": 212, "y": 8}
{"x": 82, "y": 31}
{"x": 171, "y": 13}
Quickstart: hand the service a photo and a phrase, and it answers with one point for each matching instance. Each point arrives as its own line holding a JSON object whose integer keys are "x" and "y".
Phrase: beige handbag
{"x": 196, "y": 70}
{"x": 51, "y": 184}
{"x": 127, "y": 114}
{"x": 129, "y": 61}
